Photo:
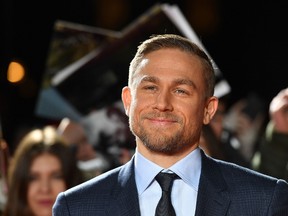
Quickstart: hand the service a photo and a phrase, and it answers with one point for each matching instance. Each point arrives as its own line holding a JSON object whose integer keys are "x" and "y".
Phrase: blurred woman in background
{"x": 43, "y": 165}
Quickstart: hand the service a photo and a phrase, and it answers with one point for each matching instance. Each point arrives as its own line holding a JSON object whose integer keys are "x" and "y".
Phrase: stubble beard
{"x": 162, "y": 142}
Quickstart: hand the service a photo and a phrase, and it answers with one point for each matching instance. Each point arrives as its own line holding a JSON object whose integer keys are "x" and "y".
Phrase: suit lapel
{"x": 213, "y": 198}
{"x": 125, "y": 196}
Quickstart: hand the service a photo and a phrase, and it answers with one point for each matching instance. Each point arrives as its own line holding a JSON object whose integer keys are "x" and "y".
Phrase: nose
{"x": 163, "y": 101}
{"x": 45, "y": 185}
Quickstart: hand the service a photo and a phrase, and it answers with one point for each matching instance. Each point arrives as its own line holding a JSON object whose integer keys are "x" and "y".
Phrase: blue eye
{"x": 152, "y": 88}
{"x": 180, "y": 91}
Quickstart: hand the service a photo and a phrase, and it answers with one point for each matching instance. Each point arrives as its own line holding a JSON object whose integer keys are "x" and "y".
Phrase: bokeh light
{"x": 16, "y": 72}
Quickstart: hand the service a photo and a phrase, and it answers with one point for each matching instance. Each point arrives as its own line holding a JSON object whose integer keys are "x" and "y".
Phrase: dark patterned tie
{"x": 164, "y": 207}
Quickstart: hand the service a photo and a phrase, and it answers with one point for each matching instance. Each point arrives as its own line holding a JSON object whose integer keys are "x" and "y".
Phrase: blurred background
{"x": 247, "y": 40}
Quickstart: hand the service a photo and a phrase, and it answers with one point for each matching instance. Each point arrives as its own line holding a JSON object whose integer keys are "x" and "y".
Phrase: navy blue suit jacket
{"x": 224, "y": 189}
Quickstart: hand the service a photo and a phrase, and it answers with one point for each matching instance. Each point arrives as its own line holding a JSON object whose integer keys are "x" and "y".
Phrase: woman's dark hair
{"x": 33, "y": 144}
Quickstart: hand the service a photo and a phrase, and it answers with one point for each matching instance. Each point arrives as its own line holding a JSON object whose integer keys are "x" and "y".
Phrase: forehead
{"x": 172, "y": 63}
{"x": 44, "y": 162}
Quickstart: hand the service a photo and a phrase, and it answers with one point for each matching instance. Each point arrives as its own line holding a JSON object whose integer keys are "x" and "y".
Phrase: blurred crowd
{"x": 250, "y": 134}
{"x": 55, "y": 157}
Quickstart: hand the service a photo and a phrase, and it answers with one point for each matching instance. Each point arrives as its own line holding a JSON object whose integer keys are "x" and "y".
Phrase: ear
{"x": 210, "y": 109}
{"x": 126, "y": 99}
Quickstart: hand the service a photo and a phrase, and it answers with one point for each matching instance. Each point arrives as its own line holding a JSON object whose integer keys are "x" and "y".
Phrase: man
{"x": 168, "y": 98}
{"x": 272, "y": 155}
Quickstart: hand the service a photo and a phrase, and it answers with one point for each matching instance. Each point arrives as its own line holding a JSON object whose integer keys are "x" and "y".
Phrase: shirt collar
{"x": 188, "y": 169}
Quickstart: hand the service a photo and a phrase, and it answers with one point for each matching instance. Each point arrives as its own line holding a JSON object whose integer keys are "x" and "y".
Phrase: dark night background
{"x": 247, "y": 40}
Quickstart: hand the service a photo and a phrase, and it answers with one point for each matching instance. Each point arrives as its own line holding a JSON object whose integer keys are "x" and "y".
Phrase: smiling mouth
{"x": 161, "y": 122}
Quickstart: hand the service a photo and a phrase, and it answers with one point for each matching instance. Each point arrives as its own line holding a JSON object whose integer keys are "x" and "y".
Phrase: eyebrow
{"x": 179, "y": 81}
{"x": 149, "y": 79}
{"x": 185, "y": 82}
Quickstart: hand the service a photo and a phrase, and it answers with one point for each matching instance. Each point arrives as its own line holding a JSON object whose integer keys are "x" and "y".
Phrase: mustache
{"x": 166, "y": 116}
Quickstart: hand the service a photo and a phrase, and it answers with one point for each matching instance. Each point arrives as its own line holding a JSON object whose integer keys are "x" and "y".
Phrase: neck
{"x": 164, "y": 160}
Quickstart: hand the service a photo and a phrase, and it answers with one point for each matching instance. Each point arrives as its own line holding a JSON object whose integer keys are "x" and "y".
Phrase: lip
{"x": 46, "y": 202}
{"x": 162, "y": 121}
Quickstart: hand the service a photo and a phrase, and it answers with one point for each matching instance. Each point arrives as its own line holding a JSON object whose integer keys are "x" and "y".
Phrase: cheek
{"x": 32, "y": 190}
{"x": 136, "y": 110}
{"x": 136, "y": 106}
{"x": 194, "y": 116}
{"x": 58, "y": 186}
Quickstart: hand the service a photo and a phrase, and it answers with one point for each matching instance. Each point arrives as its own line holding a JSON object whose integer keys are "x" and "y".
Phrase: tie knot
{"x": 165, "y": 180}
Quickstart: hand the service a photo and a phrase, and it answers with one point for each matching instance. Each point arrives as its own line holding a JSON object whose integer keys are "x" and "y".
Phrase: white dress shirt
{"x": 184, "y": 190}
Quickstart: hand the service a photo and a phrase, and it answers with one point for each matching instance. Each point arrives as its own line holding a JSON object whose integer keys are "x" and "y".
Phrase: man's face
{"x": 166, "y": 104}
